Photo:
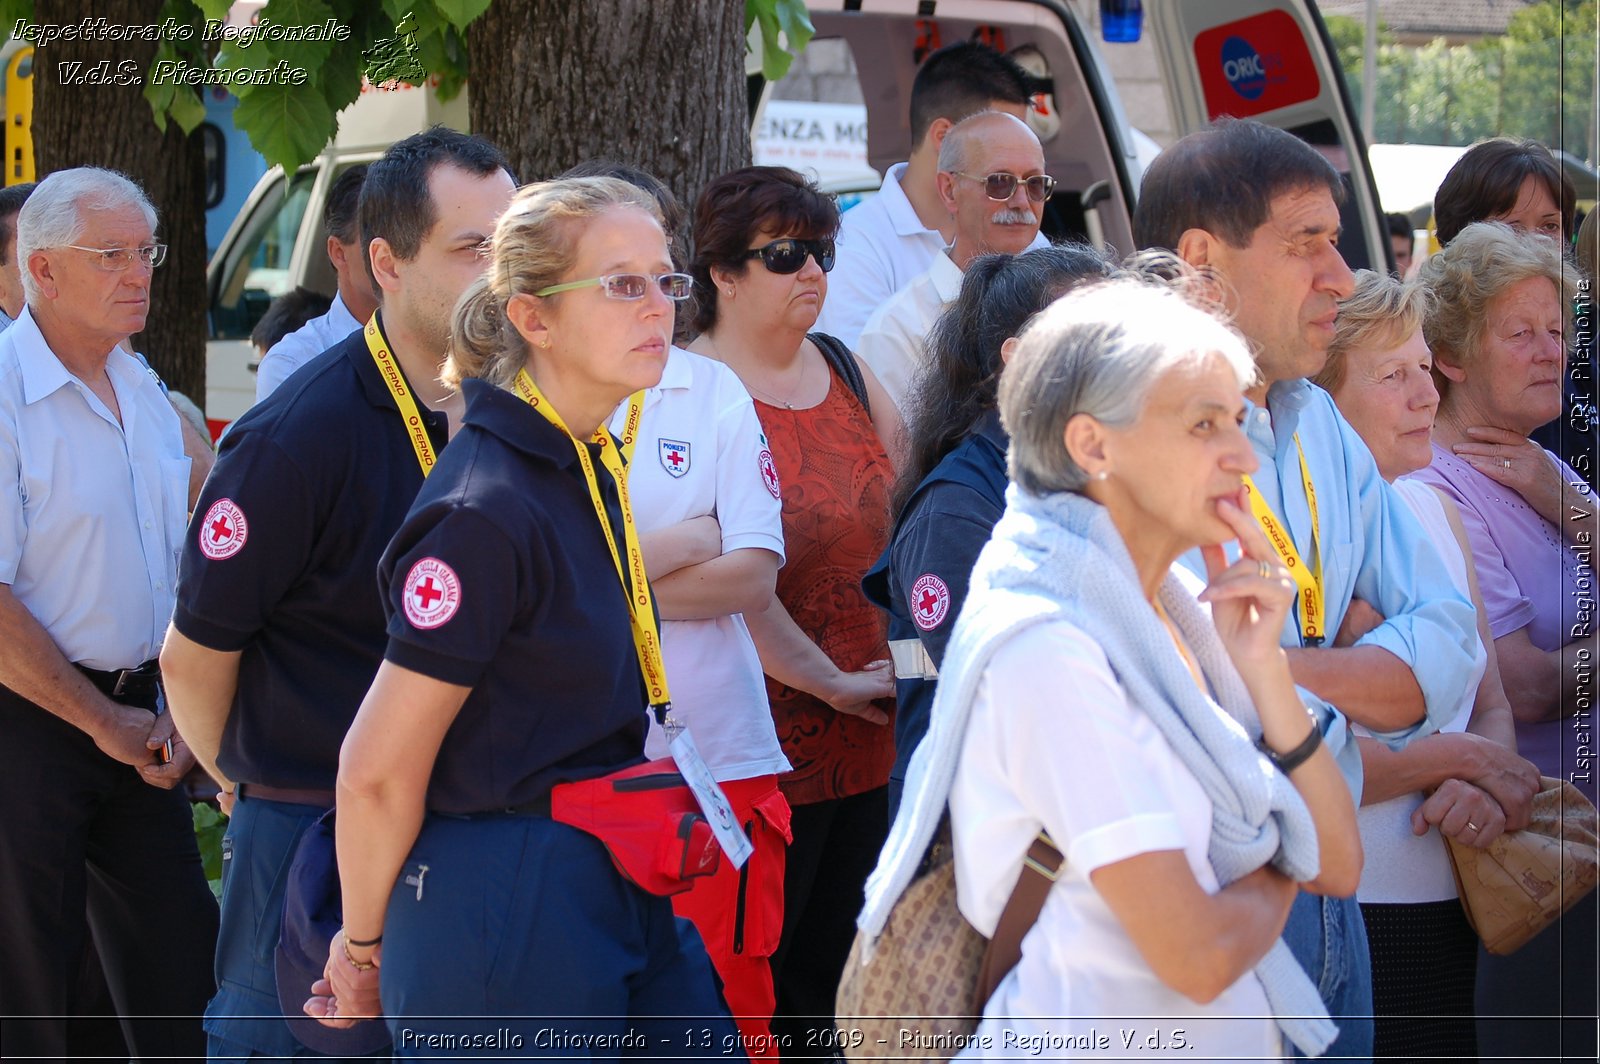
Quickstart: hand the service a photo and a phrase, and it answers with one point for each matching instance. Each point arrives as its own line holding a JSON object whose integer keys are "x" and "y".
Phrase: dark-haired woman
{"x": 952, "y": 489}
{"x": 763, "y": 240}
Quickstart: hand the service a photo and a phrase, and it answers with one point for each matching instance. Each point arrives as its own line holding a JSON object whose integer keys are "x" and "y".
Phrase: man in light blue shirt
{"x": 1258, "y": 210}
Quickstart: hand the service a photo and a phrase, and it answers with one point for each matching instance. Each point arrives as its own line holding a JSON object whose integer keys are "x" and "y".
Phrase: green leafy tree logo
{"x": 395, "y": 58}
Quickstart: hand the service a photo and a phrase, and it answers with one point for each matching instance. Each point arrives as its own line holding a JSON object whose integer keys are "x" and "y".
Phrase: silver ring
{"x": 1473, "y": 826}
{"x": 1506, "y": 462}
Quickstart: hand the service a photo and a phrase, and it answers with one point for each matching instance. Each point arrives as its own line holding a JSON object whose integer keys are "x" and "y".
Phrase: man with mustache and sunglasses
{"x": 992, "y": 181}
{"x": 892, "y": 238}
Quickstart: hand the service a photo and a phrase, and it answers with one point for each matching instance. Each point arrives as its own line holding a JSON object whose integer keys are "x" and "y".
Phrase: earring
{"x": 1102, "y": 475}
{"x": 728, "y": 291}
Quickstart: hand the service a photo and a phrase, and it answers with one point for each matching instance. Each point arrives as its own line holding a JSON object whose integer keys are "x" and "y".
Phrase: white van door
{"x": 1270, "y": 60}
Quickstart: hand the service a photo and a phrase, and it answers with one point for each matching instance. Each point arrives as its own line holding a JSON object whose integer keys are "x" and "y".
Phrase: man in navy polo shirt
{"x": 279, "y": 628}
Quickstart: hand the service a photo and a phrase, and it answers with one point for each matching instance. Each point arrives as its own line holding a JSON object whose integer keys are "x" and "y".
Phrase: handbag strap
{"x": 1041, "y": 867}
{"x": 843, "y": 364}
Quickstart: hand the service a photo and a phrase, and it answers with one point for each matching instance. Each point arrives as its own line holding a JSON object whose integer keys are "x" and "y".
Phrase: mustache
{"x": 1007, "y": 216}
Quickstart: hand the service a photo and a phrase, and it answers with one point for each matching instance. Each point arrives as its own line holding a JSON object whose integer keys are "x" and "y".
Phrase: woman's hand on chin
{"x": 1250, "y": 598}
{"x": 1519, "y": 464}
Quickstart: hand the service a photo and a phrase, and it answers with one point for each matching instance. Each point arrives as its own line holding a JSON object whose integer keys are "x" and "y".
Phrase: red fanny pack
{"x": 648, "y": 820}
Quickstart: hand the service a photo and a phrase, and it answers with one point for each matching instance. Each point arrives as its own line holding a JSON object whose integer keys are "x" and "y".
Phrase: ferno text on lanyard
{"x": 395, "y": 381}
{"x": 646, "y": 636}
{"x": 1312, "y": 608}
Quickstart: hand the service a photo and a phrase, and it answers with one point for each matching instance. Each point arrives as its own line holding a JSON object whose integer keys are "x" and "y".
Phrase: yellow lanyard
{"x": 389, "y": 370}
{"x": 1312, "y": 607}
{"x": 646, "y": 637}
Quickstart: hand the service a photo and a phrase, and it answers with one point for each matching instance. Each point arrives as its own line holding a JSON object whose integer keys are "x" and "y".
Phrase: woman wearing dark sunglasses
{"x": 763, "y": 240}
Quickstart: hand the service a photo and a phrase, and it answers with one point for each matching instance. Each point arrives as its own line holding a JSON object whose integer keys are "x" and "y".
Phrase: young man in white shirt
{"x": 892, "y": 238}
{"x": 354, "y": 302}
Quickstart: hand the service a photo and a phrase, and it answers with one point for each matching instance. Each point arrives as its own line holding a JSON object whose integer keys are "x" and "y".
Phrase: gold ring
{"x": 1506, "y": 462}
{"x": 1264, "y": 569}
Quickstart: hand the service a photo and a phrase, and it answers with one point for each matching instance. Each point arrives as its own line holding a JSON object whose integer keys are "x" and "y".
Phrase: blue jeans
{"x": 518, "y": 936}
{"x": 1329, "y": 939}
{"x": 242, "y": 1019}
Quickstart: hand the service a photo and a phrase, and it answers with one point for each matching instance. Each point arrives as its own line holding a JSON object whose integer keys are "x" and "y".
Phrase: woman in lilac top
{"x": 1497, "y": 330}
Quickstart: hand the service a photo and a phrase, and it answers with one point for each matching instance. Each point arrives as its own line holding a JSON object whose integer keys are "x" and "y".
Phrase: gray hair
{"x": 1098, "y": 351}
{"x": 953, "y": 150}
{"x": 54, "y": 215}
{"x": 1469, "y": 274}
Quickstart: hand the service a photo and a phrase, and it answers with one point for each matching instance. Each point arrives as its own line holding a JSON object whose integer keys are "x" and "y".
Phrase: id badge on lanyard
{"x": 646, "y": 634}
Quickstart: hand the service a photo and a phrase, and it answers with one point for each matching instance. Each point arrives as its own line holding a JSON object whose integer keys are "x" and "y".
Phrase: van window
{"x": 258, "y": 270}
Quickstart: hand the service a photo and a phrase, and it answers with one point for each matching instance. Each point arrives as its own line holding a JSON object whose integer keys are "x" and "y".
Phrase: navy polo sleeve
{"x": 932, "y": 557}
{"x": 250, "y": 540}
{"x": 451, "y": 583}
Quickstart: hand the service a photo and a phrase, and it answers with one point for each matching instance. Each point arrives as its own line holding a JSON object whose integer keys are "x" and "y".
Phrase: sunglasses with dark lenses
{"x": 789, "y": 254}
{"x": 1003, "y": 186}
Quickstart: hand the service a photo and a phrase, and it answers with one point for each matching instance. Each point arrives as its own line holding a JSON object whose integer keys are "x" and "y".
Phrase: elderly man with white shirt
{"x": 992, "y": 181}
{"x": 92, "y": 458}
{"x": 352, "y": 305}
{"x": 892, "y": 238}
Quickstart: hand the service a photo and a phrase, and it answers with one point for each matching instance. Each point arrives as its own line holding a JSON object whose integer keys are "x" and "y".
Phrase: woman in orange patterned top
{"x": 764, "y": 244}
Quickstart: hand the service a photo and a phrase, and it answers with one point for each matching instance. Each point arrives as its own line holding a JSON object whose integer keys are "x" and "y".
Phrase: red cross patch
{"x": 223, "y": 530}
{"x": 769, "y": 472}
{"x": 432, "y": 594}
{"x": 930, "y": 601}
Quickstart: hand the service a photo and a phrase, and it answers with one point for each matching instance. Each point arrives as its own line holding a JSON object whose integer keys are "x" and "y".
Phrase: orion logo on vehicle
{"x": 1243, "y": 67}
{"x": 1255, "y": 65}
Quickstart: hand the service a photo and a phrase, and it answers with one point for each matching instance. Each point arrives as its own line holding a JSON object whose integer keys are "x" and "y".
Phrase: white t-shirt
{"x": 893, "y": 341}
{"x": 1401, "y": 867}
{"x": 304, "y": 344}
{"x": 1053, "y": 743}
{"x": 698, "y": 453}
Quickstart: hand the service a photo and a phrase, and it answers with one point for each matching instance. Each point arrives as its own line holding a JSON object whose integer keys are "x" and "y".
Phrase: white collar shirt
{"x": 302, "y": 345}
{"x": 699, "y": 453}
{"x": 90, "y": 545}
{"x": 882, "y": 247}
{"x": 892, "y": 343}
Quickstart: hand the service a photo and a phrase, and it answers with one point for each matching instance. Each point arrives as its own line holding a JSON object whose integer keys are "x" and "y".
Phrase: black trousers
{"x": 81, "y": 833}
{"x": 835, "y": 849}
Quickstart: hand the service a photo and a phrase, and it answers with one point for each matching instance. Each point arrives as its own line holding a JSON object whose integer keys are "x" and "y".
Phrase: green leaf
{"x": 285, "y": 123}
{"x": 309, "y": 55}
{"x": 785, "y": 31}
{"x": 187, "y": 109}
{"x": 12, "y": 10}
{"x": 209, "y": 827}
{"x": 795, "y": 22}
{"x": 461, "y": 13}
{"x": 214, "y": 9}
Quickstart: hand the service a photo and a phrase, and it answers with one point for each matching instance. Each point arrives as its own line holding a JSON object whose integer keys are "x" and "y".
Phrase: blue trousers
{"x": 517, "y": 936}
{"x": 1329, "y": 939}
{"x": 244, "y": 1020}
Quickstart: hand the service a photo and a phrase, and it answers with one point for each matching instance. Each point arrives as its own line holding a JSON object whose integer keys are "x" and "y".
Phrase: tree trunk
{"x": 112, "y": 126}
{"x": 658, "y": 85}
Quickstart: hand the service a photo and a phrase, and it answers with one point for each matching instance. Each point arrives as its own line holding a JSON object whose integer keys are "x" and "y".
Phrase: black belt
{"x": 538, "y": 807}
{"x": 141, "y": 681}
{"x": 322, "y": 799}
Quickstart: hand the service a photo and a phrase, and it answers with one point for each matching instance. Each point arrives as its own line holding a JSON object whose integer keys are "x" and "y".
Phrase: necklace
{"x": 771, "y": 397}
